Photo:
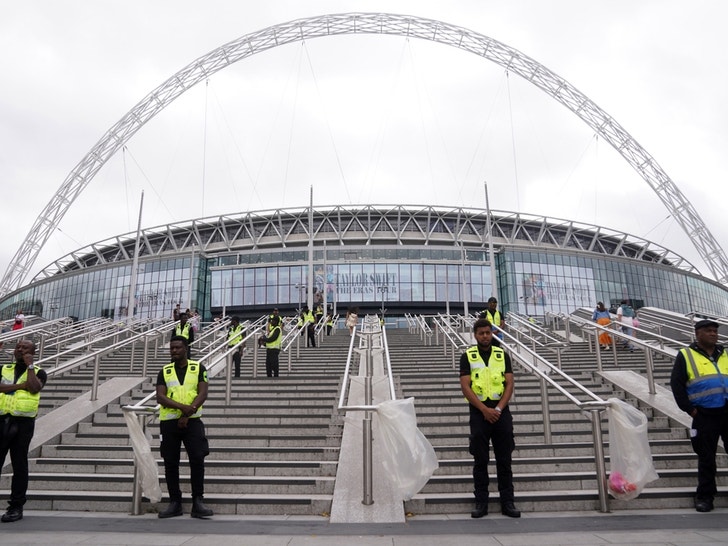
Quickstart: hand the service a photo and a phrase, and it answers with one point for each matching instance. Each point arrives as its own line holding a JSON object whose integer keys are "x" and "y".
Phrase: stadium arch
{"x": 364, "y": 23}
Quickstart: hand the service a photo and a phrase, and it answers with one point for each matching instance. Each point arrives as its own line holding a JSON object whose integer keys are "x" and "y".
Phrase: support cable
{"x": 513, "y": 142}
{"x": 328, "y": 126}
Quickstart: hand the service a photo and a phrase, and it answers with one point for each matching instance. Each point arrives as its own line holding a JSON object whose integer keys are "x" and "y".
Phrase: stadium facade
{"x": 418, "y": 259}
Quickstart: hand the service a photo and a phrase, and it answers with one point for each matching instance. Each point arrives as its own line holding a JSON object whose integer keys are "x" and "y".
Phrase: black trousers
{"x": 500, "y": 434}
{"x": 311, "y": 336}
{"x": 236, "y": 361}
{"x": 195, "y": 442}
{"x": 271, "y": 362}
{"x": 15, "y": 436}
{"x": 707, "y": 428}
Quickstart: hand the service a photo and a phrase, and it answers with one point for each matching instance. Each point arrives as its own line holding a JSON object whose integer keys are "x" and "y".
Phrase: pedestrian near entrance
{"x": 486, "y": 379}
{"x": 352, "y": 317}
{"x": 20, "y": 388}
{"x": 309, "y": 325}
{"x": 699, "y": 383}
{"x": 495, "y": 317}
{"x": 235, "y": 336}
{"x": 602, "y": 317}
{"x": 625, "y": 316}
{"x": 184, "y": 329}
{"x": 272, "y": 343}
{"x": 181, "y": 391}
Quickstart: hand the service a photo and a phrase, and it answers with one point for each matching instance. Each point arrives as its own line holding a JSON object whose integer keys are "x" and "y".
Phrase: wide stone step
{"x": 213, "y": 465}
{"x": 559, "y": 500}
{"x": 280, "y": 453}
{"x": 214, "y": 483}
{"x": 242, "y": 504}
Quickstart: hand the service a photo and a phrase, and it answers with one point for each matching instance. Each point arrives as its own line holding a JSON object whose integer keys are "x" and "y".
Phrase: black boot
{"x": 199, "y": 510}
{"x": 481, "y": 509}
{"x": 509, "y": 509}
{"x": 173, "y": 510}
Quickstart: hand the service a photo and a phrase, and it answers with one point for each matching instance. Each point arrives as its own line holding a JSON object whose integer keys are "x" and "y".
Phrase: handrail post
{"x": 599, "y": 459}
{"x": 650, "y": 374}
{"x": 545, "y": 411}
{"x": 255, "y": 359}
{"x": 145, "y": 362}
{"x": 131, "y": 358}
{"x": 95, "y": 383}
{"x": 367, "y": 484}
{"x": 598, "y": 349}
{"x": 136, "y": 498}
{"x": 229, "y": 377}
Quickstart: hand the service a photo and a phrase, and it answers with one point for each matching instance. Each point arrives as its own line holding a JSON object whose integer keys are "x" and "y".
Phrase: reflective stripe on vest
{"x": 494, "y": 319}
{"x": 19, "y": 403}
{"x": 707, "y": 385}
{"x": 276, "y": 343}
{"x": 184, "y": 393}
{"x": 235, "y": 335}
{"x": 184, "y": 332}
{"x": 487, "y": 382}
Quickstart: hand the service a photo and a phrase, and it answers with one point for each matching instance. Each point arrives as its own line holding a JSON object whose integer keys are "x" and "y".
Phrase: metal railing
{"x": 651, "y": 344}
{"x": 367, "y": 335}
{"x": 522, "y": 353}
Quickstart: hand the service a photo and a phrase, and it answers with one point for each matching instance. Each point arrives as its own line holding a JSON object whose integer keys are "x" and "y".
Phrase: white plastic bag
{"x": 407, "y": 456}
{"x": 629, "y": 451}
{"x": 145, "y": 462}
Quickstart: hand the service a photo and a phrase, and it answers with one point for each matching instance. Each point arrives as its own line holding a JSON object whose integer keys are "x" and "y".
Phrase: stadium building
{"x": 395, "y": 258}
{"x": 399, "y": 258}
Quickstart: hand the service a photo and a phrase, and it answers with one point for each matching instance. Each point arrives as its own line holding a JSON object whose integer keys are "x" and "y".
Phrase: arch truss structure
{"x": 368, "y": 226}
{"x": 365, "y": 23}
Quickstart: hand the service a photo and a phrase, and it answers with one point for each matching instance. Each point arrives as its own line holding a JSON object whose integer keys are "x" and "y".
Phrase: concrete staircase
{"x": 275, "y": 447}
{"x": 548, "y": 477}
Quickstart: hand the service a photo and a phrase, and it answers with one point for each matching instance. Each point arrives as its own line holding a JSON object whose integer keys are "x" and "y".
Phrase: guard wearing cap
{"x": 699, "y": 384}
{"x": 495, "y": 317}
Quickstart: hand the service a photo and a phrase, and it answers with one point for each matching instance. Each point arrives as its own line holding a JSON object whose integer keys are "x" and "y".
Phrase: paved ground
{"x": 658, "y": 527}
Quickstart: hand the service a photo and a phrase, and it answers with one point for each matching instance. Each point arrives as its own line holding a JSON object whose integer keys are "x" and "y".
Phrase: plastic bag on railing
{"x": 143, "y": 458}
{"x": 407, "y": 456}
{"x": 629, "y": 451}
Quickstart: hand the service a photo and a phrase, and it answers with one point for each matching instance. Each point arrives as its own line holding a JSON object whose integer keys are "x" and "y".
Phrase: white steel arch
{"x": 365, "y": 23}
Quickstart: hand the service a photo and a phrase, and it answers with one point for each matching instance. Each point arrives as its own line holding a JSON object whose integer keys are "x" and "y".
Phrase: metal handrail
{"x": 371, "y": 326}
{"x": 543, "y": 369}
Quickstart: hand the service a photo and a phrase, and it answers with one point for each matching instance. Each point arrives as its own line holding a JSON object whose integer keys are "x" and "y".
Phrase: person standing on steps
{"x": 309, "y": 325}
{"x": 184, "y": 329}
{"x": 625, "y": 316}
{"x": 495, "y": 317}
{"x": 272, "y": 343}
{"x": 699, "y": 384}
{"x": 602, "y": 317}
{"x": 486, "y": 379}
{"x": 181, "y": 391}
{"x": 235, "y": 336}
{"x": 20, "y": 386}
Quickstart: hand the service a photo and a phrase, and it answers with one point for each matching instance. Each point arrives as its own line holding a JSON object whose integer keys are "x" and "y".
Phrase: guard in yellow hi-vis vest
{"x": 181, "y": 391}
{"x": 486, "y": 379}
{"x": 20, "y": 386}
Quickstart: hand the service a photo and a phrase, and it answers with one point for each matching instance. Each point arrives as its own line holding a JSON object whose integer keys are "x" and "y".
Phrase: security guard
{"x": 184, "y": 329}
{"x": 181, "y": 391}
{"x": 495, "y": 317}
{"x": 309, "y": 325}
{"x": 272, "y": 344}
{"x": 329, "y": 324}
{"x": 486, "y": 379}
{"x": 20, "y": 386}
{"x": 235, "y": 336}
{"x": 699, "y": 383}
{"x": 270, "y": 317}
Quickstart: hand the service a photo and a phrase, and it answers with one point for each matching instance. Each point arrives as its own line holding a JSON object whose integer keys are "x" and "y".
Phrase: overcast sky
{"x": 380, "y": 120}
